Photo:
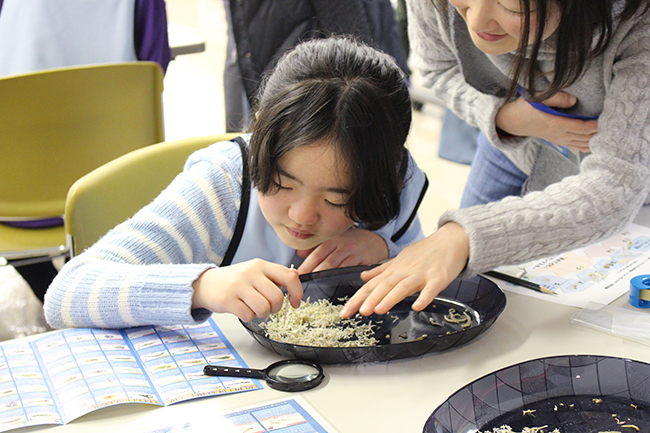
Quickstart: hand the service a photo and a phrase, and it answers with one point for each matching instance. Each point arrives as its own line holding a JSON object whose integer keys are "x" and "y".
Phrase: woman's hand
{"x": 520, "y": 118}
{"x": 427, "y": 266}
{"x": 351, "y": 248}
{"x": 246, "y": 289}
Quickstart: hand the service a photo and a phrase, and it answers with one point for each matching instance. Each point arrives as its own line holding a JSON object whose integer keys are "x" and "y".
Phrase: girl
{"x": 323, "y": 174}
{"x": 517, "y": 69}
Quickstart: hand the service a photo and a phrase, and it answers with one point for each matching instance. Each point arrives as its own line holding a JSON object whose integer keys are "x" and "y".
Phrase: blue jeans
{"x": 457, "y": 139}
{"x": 492, "y": 176}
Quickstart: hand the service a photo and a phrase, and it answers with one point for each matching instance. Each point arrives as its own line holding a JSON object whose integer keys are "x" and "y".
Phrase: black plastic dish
{"x": 402, "y": 333}
{"x": 573, "y": 393}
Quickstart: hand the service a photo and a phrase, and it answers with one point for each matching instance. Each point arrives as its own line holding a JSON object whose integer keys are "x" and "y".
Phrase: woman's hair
{"x": 339, "y": 90}
{"x": 583, "y": 33}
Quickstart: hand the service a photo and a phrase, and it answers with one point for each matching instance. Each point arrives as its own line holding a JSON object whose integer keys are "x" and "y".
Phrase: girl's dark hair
{"x": 584, "y": 32}
{"x": 340, "y": 90}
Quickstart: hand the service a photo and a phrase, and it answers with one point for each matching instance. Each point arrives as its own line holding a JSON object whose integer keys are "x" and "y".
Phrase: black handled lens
{"x": 290, "y": 375}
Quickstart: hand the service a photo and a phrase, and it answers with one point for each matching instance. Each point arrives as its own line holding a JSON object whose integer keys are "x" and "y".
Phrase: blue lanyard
{"x": 549, "y": 110}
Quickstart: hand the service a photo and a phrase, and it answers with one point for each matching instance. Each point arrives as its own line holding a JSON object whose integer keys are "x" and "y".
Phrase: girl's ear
{"x": 257, "y": 115}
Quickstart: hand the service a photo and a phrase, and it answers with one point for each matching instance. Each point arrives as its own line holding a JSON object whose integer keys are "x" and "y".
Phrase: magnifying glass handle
{"x": 216, "y": 370}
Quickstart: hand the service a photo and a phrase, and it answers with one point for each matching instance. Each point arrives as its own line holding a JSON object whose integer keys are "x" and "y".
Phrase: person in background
{"x": 44, "y": 34}
{"x": 458, "y": 140}
{"x": 324, "y": 173}
{"x": 521, "y": 71}
{"x": 36, "y": 35}
{"x": 261, "y": 31}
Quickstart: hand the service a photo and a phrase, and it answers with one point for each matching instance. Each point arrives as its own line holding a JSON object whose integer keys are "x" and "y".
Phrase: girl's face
{"x": 309, "y": 208}
{"x": 496, "y": 25}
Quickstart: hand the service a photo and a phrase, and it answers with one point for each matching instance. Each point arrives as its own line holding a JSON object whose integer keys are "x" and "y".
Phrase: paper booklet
{"x": 291, "y": 415}
{"x": 65, "y": 374}
{"x": 598, "y": 273}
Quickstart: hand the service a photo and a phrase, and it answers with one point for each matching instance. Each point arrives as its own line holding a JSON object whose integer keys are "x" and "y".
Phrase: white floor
{"x": 193, "y": 101}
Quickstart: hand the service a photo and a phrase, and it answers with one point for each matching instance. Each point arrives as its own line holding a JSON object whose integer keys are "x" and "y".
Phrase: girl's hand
{"x": 247, "y": 289}
{"x": 520, "y": 118}
{"x": 427, "y": 266}
{"x": 351, "y": 248}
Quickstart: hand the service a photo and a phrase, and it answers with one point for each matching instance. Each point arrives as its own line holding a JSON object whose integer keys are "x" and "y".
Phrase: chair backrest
{"x": 114, "y": 192}
{"x": 59, "y": 124}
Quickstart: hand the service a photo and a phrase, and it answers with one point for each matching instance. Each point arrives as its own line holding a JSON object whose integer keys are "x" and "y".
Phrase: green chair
{"x": 114, "y": 192}
{"x": 56, "y": 126}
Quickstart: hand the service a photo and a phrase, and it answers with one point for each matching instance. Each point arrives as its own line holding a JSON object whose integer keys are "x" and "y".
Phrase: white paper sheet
{"x": 598, "y": 273}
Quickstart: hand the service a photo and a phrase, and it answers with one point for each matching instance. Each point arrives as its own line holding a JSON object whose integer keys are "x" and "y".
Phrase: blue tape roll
{"x": 640, "y": 291}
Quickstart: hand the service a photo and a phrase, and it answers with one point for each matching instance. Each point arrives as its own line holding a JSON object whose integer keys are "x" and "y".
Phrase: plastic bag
{"x": 621, "y": 321}
{"x": 21, "y": 312}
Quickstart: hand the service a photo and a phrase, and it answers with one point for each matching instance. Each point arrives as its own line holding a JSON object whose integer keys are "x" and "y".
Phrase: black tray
{"x": 402, "y": 333}
{"x": 574, "y": 393}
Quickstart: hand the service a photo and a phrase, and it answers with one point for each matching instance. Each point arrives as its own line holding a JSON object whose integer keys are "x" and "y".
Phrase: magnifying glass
{"x": 290, "y": 375}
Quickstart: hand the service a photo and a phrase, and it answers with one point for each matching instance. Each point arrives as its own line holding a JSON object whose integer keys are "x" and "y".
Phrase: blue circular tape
{"x": 640, "y": 291}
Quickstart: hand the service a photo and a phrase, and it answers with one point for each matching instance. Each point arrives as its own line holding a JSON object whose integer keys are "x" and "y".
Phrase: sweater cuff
{"x": 483, "y": 255}
{"x": 497, "y": 136}
{"x": 170, "y": 301}
{"x": 503, "y": 134}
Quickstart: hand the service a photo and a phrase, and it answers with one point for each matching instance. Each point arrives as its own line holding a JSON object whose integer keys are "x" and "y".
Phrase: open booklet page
{"x": 291, "y": 415}
{"x": 597, "y": 273}
{"x": 65, "y": 374}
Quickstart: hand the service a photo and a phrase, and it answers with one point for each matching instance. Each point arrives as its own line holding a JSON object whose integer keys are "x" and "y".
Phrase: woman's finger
{"x": 374, "y": 272}
{"x": 401, "y": 288}
{"x": 352, "y": 305}
{"x": 379, "y": 293}
{"x": 561, "y": 100}
{"x": 427, "y": 295}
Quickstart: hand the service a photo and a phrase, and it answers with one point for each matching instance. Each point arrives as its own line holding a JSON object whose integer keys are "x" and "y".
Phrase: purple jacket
{"x": 151, "y": 42}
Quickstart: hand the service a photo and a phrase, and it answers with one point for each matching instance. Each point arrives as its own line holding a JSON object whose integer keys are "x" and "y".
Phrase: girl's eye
{"x": 279, "y": 186}
{"x": 510, "y": 11}
{"x": 336, "y": 205}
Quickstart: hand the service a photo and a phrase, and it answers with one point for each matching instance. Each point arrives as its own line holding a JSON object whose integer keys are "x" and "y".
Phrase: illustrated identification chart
{"x": 292, "y": 415}
{"x": 289, "y": 416}
{"x": 66, "y": 374}
{"x": 598, "y": 273}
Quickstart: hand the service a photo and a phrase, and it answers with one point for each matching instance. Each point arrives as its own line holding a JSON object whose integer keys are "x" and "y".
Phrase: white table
{"x": 394, "y": 396}
{"x": 184, "y": 40}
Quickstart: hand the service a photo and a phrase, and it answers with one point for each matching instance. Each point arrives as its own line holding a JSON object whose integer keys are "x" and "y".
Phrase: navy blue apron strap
{"x": 414, "y": 213}
{"x": 243, "y": 207}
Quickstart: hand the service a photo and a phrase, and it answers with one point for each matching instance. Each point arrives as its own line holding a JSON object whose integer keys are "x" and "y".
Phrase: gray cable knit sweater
{"x": 565, "y": 206}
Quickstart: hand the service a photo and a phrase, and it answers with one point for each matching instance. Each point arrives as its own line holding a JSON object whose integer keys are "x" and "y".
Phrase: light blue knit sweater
{"x": 141, "y": 272}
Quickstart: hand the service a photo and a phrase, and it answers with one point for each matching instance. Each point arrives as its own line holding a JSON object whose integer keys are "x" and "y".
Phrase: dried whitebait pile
{"x": 508, "y": 429}
{"x": 318, "y": 324}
